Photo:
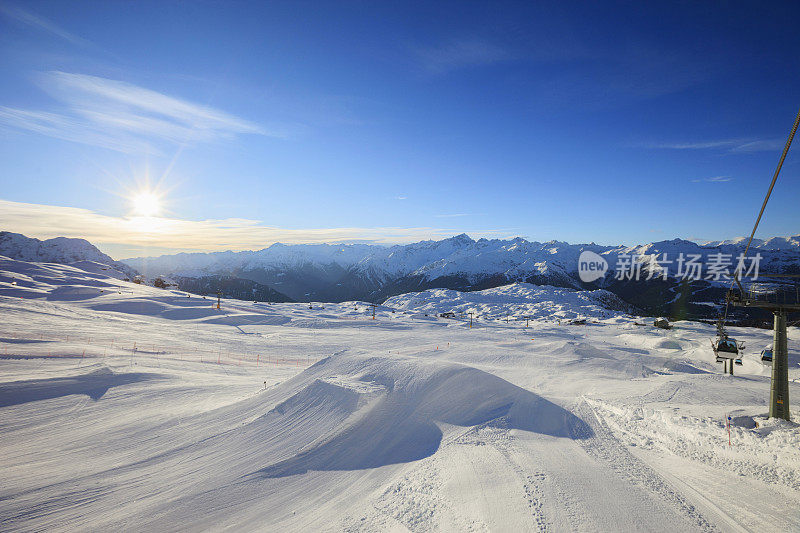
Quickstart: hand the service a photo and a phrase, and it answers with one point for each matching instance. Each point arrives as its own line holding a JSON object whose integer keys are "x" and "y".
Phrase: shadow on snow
{"x": 93, "y": 385}
{"x": 400, "y": 424}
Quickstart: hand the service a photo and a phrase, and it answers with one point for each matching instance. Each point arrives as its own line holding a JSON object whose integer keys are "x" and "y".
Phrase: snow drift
{"x": 401, "y": 422}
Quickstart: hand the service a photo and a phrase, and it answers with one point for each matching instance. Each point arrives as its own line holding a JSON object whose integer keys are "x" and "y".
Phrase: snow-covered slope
{"x": 57, "y": 250}
{"x": 773, "y": 243}
{"x": 130, "y": 407}
{"x": 517, "y": 301}
{"x": 96, "y": 287}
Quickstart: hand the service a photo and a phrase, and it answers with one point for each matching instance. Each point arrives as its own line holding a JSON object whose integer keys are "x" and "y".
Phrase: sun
{"x": 146, "y": 204}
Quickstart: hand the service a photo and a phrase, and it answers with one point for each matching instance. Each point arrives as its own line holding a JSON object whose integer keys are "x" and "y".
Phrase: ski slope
{"x": 125, "y": 407}
{"x": 518, "y": 301}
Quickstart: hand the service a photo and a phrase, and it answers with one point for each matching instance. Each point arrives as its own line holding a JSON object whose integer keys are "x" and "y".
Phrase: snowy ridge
{"x": 57, "y": 250}
{"x": 278, "y": 256}
{"x": 516, "y": 301}
{"x": 459, "y": 255}
{"x": 773, "y": 243}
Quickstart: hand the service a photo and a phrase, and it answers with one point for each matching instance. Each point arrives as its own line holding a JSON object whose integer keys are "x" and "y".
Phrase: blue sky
{"x": 393, "y": 122}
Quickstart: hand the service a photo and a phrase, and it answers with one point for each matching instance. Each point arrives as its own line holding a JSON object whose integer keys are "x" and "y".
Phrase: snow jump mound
{"x": 394, "y": 411}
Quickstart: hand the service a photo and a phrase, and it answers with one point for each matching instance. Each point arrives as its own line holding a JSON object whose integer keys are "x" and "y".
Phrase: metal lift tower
{"x": 779, "y": 389}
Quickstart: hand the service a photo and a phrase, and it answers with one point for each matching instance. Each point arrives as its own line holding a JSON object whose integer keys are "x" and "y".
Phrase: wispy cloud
{"x": 27, "y": 18}
{"x": 713, "y": 179}
{"x": 705, "y": 145}
{"x": 127, "y": 235}
{"x": 71, "y": 128}
{"x": 770, "y": 145}
{"x": 454, "y": 215}
{"x": 90, "y": 92}
{"x": 460, "y": 54}
{"x": 729, "y": 145}
{"x": 125, "y": 117}
{"x": 401, "y": 197}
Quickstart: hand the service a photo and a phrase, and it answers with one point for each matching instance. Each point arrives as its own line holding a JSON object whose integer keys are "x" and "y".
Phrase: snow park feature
{"x": 127, "y": 406}
{"x": 389, "y": 267}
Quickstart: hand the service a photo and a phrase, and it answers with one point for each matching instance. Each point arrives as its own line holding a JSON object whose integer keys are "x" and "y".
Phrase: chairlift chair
{"x": 726, "y": 345}
{"x": 726, "y": 348}
{"x": 766, "y": 354}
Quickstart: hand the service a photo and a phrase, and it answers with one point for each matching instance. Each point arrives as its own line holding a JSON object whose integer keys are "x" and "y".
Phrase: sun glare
{"x": 146, "y": 204}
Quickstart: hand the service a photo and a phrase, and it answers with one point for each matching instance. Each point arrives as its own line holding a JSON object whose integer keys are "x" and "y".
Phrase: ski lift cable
{"x": 764, "y": 204}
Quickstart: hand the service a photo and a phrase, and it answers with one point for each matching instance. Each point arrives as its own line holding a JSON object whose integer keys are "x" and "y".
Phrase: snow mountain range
{"x": 345, "y": 272}
{"x": 331, "y": 272}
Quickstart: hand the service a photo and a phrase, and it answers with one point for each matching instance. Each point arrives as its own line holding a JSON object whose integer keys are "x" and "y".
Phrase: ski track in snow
{"x": 127, "y": 407}
{"x": 604, "y": 446}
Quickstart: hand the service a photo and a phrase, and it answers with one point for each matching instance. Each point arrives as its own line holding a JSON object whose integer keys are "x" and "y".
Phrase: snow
{"x": 58, "y": 250}
{"x": 773, "y": 243}
{"x": 459, "y": 255}
{"x": 516, "y": 301}
{"x": 130, "y": 407}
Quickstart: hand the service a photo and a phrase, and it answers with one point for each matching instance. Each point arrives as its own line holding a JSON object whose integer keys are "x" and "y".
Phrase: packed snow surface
{"x": 125, "y": 407}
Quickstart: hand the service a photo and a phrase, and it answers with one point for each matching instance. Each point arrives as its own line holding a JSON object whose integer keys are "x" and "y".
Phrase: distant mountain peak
{"x": 461, "y": 238}
{"x": 56, "y": 250}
